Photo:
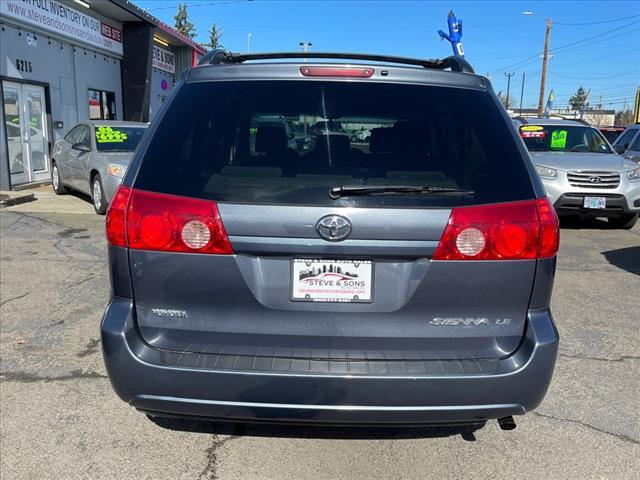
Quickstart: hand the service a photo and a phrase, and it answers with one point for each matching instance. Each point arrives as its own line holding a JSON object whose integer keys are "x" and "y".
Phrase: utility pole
{"x": 508, "y": 75}
{"x": 305, "y": 46}
{"x": 249, "y": 35}
{"x": 545, "y": 57}
{"x": 521, "y": 93}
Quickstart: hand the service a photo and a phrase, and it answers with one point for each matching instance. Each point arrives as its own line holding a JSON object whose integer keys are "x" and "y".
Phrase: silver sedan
{"x": 93, "y": 157}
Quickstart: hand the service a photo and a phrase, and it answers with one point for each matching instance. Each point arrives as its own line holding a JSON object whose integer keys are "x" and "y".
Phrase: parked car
{"x": 361, "y": 135}
{"x": 583, "y": 176}
{"x": 628, "y": 143}
{"x": 325, "y": 127}
{"x": 93, "y": 157}
{"x": 405, "y": 284}
{"x": 611, "y": 133}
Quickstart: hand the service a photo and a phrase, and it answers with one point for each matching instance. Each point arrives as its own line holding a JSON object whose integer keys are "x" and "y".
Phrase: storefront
{"x": 65, "y": 61}
{"x": 162, "y": 76}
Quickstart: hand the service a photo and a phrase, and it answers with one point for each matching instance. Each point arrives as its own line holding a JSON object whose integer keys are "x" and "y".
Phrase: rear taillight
{"x": 116, "y": 224}
{"x": 508, "y": 231}
{"x": 357, "y": 72}
{"x": 550, "y": 236}
{"x": 155, "y": 221}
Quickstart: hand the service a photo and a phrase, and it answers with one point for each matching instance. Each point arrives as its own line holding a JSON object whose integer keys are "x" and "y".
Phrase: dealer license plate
{"x": 595, "y": 202}
{"x": 314, "y": 280}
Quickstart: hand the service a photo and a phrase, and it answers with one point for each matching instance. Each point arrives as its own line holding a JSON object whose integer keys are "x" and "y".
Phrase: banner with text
{"x": 65, "y": 21}
{"x": 164, "y": 60}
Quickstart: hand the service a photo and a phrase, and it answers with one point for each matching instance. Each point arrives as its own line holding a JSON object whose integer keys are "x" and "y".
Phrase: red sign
{"x": 532, "y": 134}
{"x": 111, "y": 32}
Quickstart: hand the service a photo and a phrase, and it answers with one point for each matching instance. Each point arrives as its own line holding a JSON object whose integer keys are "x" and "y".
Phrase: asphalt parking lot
{"x": 60, "y": 418}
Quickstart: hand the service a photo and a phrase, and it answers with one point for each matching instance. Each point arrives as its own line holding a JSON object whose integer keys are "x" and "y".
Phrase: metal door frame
{"x": 48, "y": 131}
{"x": 22, "y": 177}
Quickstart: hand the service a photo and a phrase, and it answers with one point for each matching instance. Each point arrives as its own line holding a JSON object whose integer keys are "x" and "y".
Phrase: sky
{"x": 594, "y": 44}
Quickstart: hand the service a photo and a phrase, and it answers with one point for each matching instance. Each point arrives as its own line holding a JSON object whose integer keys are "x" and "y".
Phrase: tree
{"x": 183, "y": 25}
{"x": 214, "y": 37}
{"x": 623, "y": 118}
{"x": 503, "y": 99}
{"x": 579, "y": 99}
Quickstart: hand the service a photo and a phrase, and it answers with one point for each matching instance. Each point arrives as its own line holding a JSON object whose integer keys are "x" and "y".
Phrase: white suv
{"x": 582, "y": 174}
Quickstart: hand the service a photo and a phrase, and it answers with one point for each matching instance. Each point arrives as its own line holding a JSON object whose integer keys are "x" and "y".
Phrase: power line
{"x": 529, "y": 59}
{"x": 572, "y": 45}
{"x": 612, "y": 20}
{"x": 590, "y": 60}
{"x": 192, "y": 5}
{"x": 582, "y": 77}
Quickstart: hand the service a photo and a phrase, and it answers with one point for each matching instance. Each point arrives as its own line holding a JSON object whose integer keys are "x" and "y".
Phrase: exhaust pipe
{"x": 507, "y": 423}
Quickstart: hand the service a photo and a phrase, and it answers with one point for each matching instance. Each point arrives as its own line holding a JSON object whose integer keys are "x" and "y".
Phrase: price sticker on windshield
{"x": 559, "y": 139}
{"x": 109, "y": 135}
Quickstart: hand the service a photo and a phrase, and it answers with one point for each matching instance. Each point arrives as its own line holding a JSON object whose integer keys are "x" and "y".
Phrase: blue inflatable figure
{"x": 455, "y": 34}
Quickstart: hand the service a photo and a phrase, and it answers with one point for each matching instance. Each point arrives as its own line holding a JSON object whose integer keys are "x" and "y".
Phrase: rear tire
{"x": 97, "y": 195}
{"x": 624, "y": 222}
{"x": 56, "y": 182}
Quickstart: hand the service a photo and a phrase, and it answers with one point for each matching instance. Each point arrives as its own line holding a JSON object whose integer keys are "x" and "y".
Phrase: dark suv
{"x": 405, "y": 280}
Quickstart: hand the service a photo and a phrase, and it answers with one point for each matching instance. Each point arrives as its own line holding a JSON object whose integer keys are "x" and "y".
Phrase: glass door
{"x": 37, "y": 136}
{"x": 13, "y": 117}
{"x": 27, "y": 133}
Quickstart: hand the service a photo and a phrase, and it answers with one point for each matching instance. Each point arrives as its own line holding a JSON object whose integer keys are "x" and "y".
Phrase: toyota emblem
{"x": 333, "y": 228}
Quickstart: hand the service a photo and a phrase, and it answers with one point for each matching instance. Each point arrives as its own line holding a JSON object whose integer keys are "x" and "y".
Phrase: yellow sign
{"x": 531, "y": 128}
{"x": 109, "y": 135}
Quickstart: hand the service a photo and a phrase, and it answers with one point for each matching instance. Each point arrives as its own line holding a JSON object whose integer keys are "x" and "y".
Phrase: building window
{"x": 102, "y": 105}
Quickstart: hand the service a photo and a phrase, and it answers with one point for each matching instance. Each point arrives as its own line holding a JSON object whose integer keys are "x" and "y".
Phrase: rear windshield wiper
{"x": 346, "y": 190}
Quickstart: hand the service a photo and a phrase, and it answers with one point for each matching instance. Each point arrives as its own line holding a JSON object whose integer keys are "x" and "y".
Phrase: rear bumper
{"x": 141, "y": 377}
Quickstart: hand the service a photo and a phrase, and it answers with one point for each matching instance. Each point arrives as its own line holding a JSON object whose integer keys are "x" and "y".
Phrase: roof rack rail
{"x": 456, "y": 64}
{"x": 580, "y": 120}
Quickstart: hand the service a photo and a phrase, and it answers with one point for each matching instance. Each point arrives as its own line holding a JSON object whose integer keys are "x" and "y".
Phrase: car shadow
{"x": 81, "y": 196}
{"x": 625, "y": 258}
{"x": 570, "y": 223}
{"x": 270, "y": 430}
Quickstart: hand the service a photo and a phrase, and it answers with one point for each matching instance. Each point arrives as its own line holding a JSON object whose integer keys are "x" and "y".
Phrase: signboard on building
{"x": 65, "y": 21}
{"x": 164, "y": 60}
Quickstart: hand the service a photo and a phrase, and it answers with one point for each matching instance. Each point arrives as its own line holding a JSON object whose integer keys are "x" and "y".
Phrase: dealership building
{"x": 68, "y": 61}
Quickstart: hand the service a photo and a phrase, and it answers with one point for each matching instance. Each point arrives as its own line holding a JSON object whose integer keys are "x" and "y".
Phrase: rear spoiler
{"x": 219, "y": 57}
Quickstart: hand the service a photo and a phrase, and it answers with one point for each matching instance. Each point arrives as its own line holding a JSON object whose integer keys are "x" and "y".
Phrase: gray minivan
{"x": 404, "y": 280}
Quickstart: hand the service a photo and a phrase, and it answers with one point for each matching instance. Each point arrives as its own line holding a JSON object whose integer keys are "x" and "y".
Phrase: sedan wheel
{"x": 58, "y": 188}
{"x": 97, "y": 194}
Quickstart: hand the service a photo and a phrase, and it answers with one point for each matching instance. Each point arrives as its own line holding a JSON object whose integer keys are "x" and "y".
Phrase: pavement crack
{"x": 210, "y": 470}
{"x": 90, "y": 349}
{"x": 59, "y": 249}
{"x": 84, "y": 280}
{"x": 27, "y": 377}
{"x": 599, "y": 359}
{"x": 619, "y": 436}
{"x": 4, "y": 302}
{"x": 40, "y": 219}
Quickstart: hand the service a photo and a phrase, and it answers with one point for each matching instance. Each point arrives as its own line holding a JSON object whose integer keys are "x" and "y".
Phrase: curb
{"x": 9, "y": 199}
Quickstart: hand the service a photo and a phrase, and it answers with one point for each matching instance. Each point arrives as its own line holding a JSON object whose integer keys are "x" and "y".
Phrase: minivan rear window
{"x": 290, "y": 142}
